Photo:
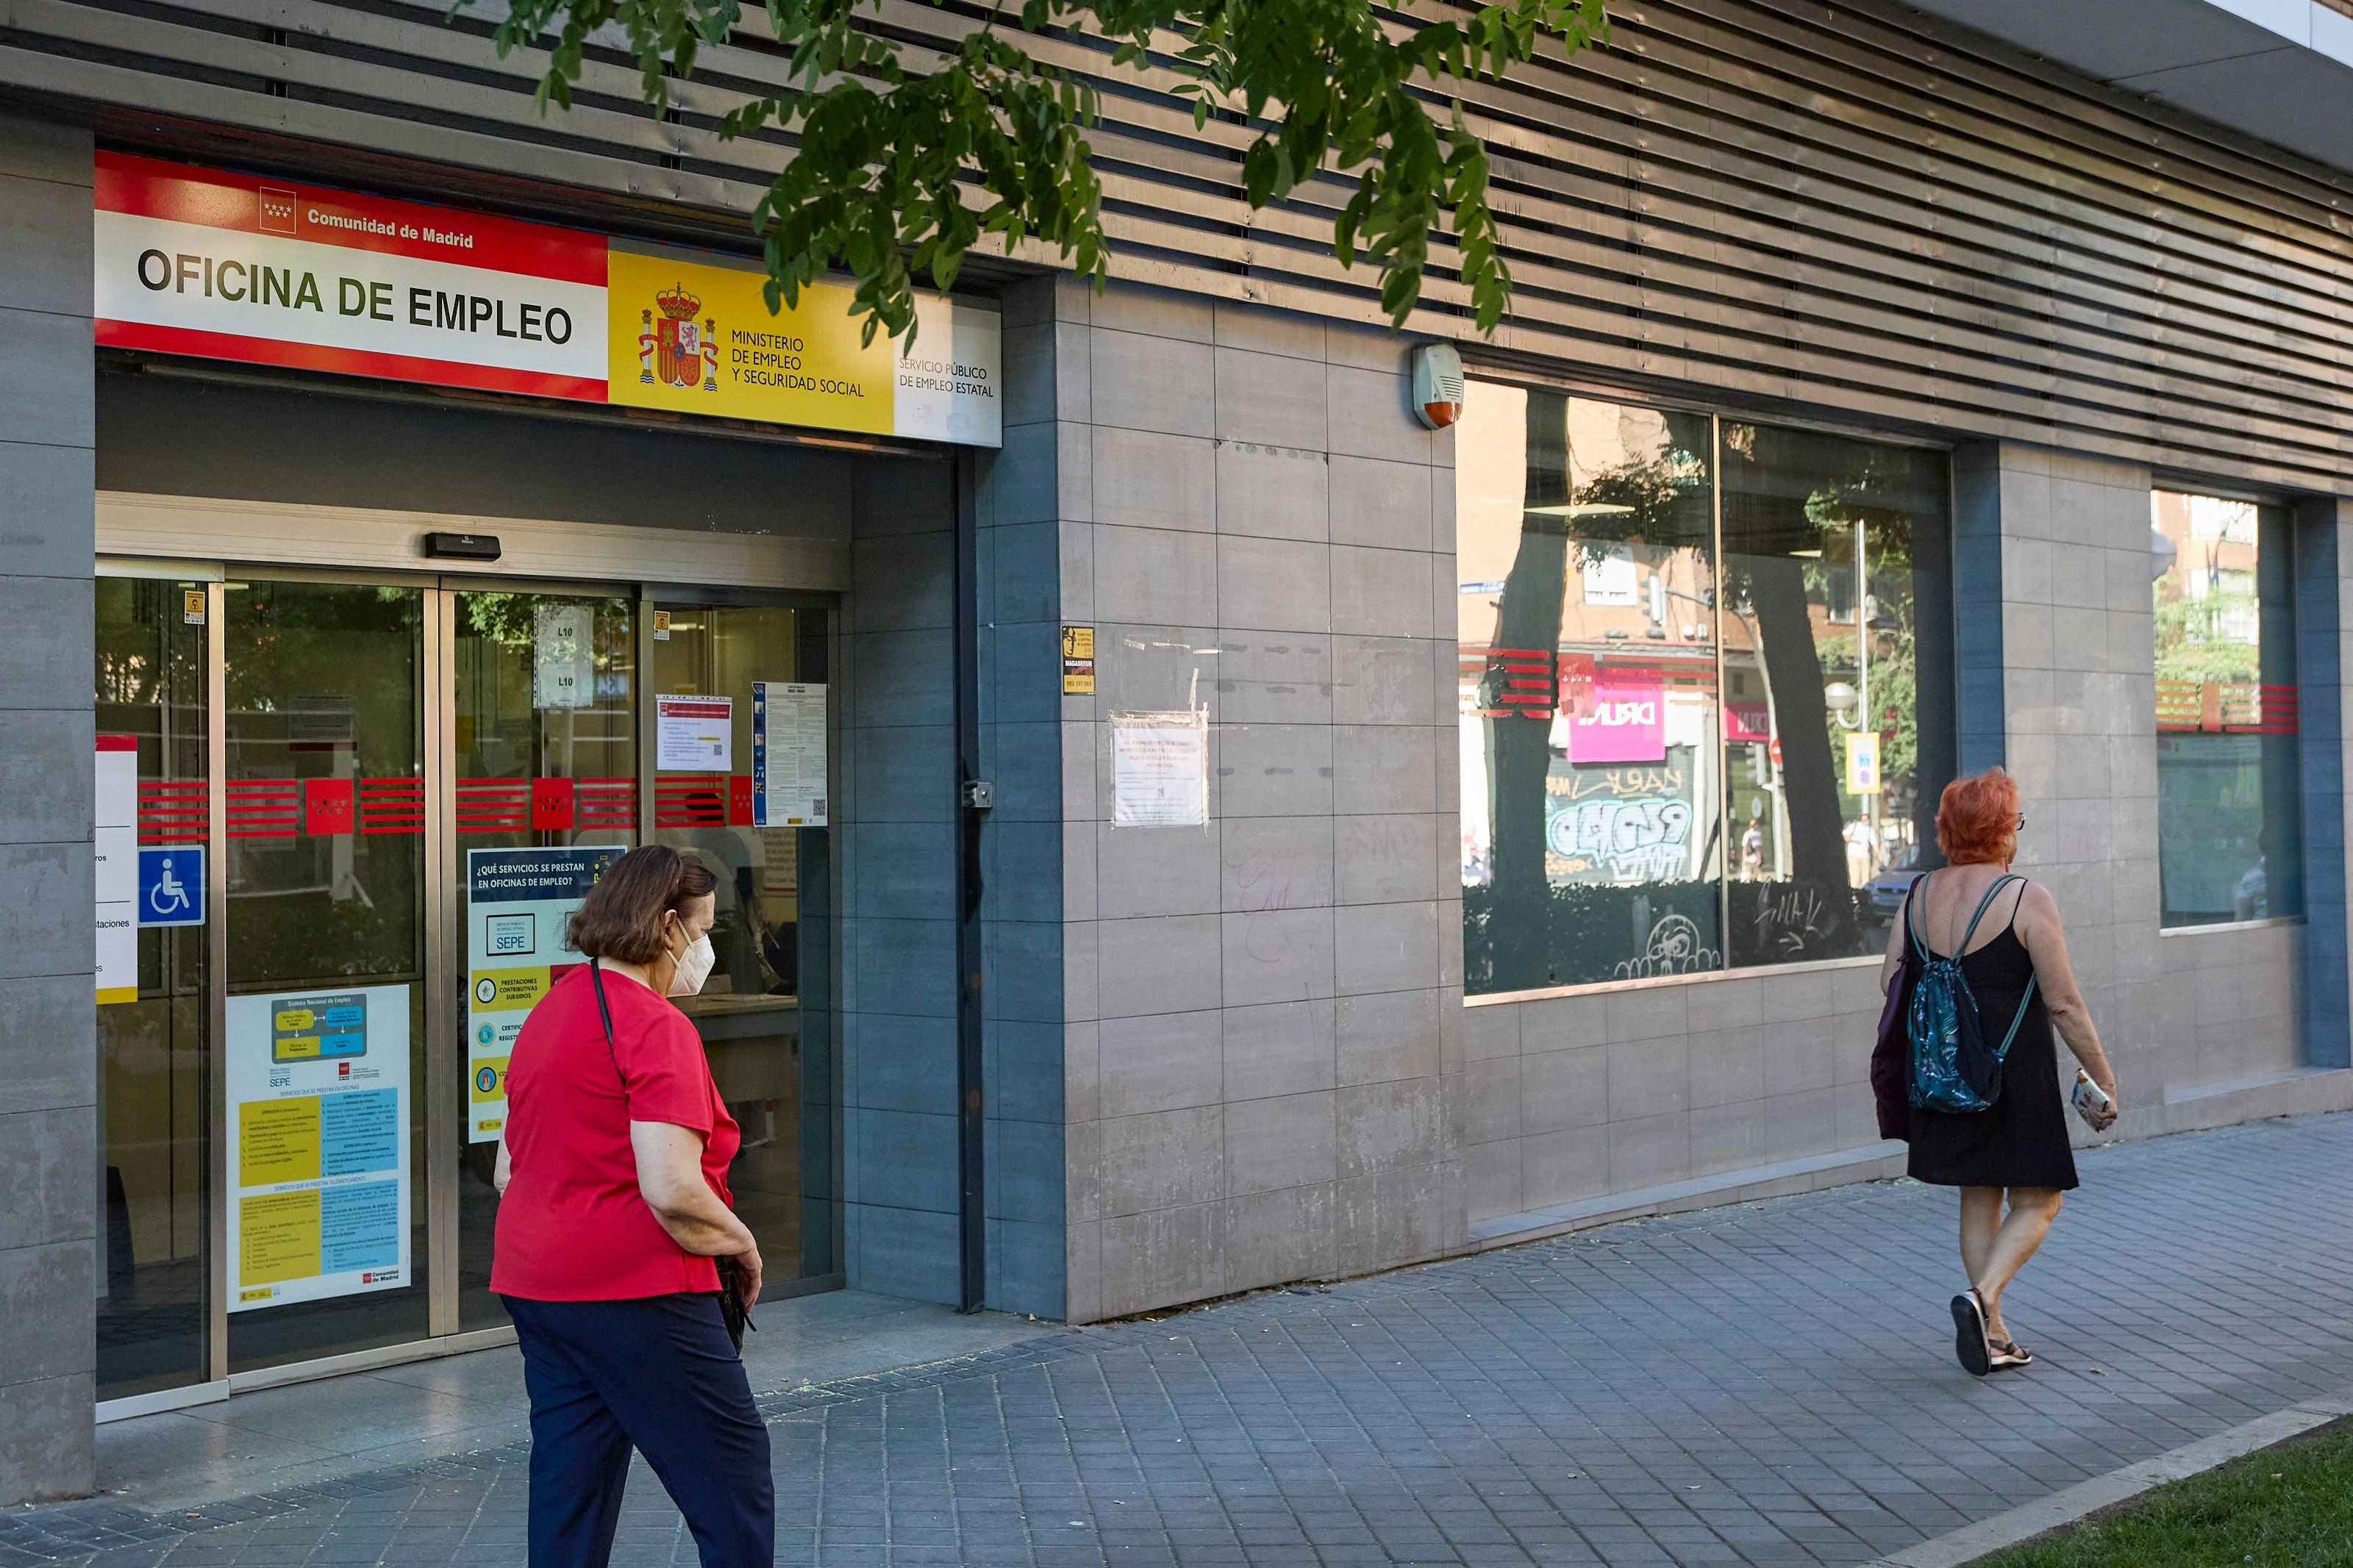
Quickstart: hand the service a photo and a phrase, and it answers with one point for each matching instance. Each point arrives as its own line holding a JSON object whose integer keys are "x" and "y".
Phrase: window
{"x": 1692, "y": 732}
{"x": 2228, "y": 809}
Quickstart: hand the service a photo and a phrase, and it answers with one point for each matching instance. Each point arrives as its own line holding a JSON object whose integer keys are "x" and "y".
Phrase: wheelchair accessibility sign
{"x": 172, "y": 887}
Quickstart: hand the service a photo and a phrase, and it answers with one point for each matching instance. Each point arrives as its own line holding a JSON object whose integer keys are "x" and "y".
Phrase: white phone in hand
{"x": 2091, "y": 1100}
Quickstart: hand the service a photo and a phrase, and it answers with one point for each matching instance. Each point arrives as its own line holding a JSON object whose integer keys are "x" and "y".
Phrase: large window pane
{"x": 1591, "y": 811}
{"x": 1833, "y": 590}
{"x": 2230, "y": 842}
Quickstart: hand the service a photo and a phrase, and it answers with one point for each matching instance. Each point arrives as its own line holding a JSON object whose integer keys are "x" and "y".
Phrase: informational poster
{"x": 519, "y": 907}
{"x": 1863, "y": 765}
{"x": 694, "y": 734}
{"x": 318, "y": 1145}
{"x": 1078, "y": 661}
{"x": 563, "y": 657}
{"x": 1160, "y": 770}
{"x": 116, "y": 829}
{"x": 788, "y": 754}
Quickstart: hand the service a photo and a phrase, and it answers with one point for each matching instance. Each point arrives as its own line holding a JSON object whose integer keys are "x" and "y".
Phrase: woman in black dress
{"x": 2017, "y": 1148}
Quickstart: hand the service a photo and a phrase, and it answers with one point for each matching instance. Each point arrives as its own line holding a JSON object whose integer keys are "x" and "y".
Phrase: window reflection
{"x": 1821, "y": 654}
{"x": 1688, "y": 738}
{"x": 1591, "y": 843}
{"x": 2230, "y": 844}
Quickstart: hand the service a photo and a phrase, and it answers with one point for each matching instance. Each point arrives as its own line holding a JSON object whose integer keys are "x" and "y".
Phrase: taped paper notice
{"x": 1160, "y": 770}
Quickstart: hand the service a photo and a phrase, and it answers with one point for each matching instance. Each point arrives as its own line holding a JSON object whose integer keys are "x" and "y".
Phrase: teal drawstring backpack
{"x": 1952, "y": 1068}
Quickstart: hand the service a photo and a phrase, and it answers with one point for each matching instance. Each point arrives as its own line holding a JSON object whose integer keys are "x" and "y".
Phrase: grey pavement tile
{"x": 1766, "y": 1384}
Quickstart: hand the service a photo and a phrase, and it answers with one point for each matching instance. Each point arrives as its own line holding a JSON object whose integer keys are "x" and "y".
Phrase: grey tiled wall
{"x": 1256, "y": 1016}
{"x": 47, "y": 1048}
{"x": 899, "y": 1183}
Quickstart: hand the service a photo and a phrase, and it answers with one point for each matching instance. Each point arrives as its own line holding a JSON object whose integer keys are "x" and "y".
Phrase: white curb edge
{"x": 2077, "y": 1502}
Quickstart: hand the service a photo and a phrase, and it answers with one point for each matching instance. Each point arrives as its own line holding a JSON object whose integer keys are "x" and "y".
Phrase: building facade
{"x": 1183, "y": 824}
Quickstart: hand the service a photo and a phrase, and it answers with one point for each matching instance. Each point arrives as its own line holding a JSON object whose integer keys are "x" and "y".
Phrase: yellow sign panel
{"x": 697, "y": 338}
{"x": 516, "y": 990}
{"x": 278, "y": 1236}
{"x": 1863, "y": 765}
{"x": 1078, "y": 661}
{"x": 277, "y": 1141}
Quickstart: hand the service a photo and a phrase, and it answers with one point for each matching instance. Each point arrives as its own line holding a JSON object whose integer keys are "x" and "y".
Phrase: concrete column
{"x": 901, "y": 1200}
{"x": 2056, "y": 658}
{"x": 48, "y": 1064}
{"x": 1021, "y": 590}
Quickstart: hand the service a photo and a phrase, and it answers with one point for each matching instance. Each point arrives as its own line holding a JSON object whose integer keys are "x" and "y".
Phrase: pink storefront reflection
{"x": 1625, "y": 722}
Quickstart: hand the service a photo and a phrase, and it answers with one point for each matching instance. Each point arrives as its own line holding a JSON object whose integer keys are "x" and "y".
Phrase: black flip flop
{"x": 1969, "y": 1335}
{"x": 2008, "y": 1352}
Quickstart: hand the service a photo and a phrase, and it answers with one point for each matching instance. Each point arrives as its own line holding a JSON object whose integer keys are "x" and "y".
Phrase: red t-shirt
{"x": 572, "y": 1225}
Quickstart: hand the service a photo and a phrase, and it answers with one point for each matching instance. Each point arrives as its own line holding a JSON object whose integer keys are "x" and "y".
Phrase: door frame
{"x": 216, "y": 541}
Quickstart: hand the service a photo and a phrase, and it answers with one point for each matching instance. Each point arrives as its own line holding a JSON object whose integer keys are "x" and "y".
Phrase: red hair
{"x": 1977, "y": 819}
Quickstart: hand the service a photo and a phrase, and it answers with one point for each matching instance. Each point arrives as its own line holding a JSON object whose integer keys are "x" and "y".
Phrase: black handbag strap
{"x": 604, "y": 1015}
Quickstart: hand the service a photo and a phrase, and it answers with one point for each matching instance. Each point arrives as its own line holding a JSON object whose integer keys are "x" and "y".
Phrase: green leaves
{"x": 900, "y": 170}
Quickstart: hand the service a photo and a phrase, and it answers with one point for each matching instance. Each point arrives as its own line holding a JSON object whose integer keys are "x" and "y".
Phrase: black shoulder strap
{"x": 605, "y": 1014}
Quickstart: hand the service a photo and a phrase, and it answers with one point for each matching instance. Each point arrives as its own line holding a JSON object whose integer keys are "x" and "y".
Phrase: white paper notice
{"x": 1160, "y": 770}
{"x": 694, "y": 734}
{"x": 116, "y": 820}
{"x": 563, "y": 657}
{"x": 788, "y": 754}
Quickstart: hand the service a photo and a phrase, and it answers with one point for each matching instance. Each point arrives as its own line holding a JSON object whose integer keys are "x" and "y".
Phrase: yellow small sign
{"x": 192, "y": 606}
{"x": 697, "y": 338}
{"x": 1863, "y": 765}
{"x": 1078, "y": 661}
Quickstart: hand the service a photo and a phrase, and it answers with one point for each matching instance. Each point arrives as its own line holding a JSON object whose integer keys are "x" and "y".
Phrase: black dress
{"x": 2020, "y": 1141}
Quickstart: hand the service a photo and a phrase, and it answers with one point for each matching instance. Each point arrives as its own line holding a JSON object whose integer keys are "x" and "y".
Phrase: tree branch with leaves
{"x": 901, "y": 173}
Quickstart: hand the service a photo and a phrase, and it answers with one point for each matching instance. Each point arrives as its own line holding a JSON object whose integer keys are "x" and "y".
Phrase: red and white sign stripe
{"x": 227, "y": 265}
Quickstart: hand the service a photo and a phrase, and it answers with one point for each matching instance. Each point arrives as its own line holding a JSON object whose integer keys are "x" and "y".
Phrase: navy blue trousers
{"x": 659, "y": 1375}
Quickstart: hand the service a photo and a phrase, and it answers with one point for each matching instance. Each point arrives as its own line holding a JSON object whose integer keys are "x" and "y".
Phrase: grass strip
{"x": 2288, "y": 1507}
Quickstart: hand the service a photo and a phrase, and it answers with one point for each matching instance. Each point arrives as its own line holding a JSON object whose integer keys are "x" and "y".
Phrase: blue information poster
{"x": 318, "y": 1145}
{"x": 519, "y": 905}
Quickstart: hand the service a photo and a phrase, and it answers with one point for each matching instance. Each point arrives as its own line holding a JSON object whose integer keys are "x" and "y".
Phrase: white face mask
{"x": 693, "y": 967}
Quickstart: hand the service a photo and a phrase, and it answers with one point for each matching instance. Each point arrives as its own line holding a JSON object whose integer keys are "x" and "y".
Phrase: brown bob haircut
{"x": 1977, "y": 819}
{"x": 621, "y": 918}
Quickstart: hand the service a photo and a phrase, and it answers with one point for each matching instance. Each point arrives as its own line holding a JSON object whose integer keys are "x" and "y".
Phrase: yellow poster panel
{"x": 688, "y": 335}
{"x": 277, "y": 1234}
{"x": 488, "y": 1083}
{"x": 277, "y": 1141}
{"x": 517, "y": 990}
{"x": 1863, "y": 765}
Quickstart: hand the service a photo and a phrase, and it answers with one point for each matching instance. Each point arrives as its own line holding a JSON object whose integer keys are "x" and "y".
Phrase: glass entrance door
{"x": 153, "y": 1013}
{"x": 370, "y": 809}
{"x": 323, "y": 1054}
{"x": 545, "y": 792}
{"x": 736, "y": 690}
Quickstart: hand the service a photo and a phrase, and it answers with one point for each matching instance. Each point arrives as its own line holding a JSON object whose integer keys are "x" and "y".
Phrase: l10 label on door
{"x": 788, "y": 754}
{"x": 518, "y": 907}
{"x": 319, "y": 1200}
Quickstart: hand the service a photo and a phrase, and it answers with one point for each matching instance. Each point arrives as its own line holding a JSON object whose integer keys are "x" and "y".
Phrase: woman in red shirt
{"x": 615, "y": 1206}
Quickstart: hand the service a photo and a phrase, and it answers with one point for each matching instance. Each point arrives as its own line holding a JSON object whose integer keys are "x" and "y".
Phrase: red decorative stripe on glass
{"x": 391, "y": 805}
{"x": 606, "y": 803}
{"x": 691, "y": 800}
{"x": 2225, "y": 707}
{"x": 493, "y": 805}
{"x": 173, "y": 811}
{"x": 264, "y": 808}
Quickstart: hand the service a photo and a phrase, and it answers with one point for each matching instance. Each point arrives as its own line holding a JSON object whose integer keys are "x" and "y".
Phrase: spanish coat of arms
{"x": 677, "y": 349}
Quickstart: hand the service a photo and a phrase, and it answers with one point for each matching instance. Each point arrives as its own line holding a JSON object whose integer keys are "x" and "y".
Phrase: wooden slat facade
{"x": 1846, "y": 209}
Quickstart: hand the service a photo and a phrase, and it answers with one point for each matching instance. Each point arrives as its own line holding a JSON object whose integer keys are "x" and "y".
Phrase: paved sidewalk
{"x": 1771, "y": 1384}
